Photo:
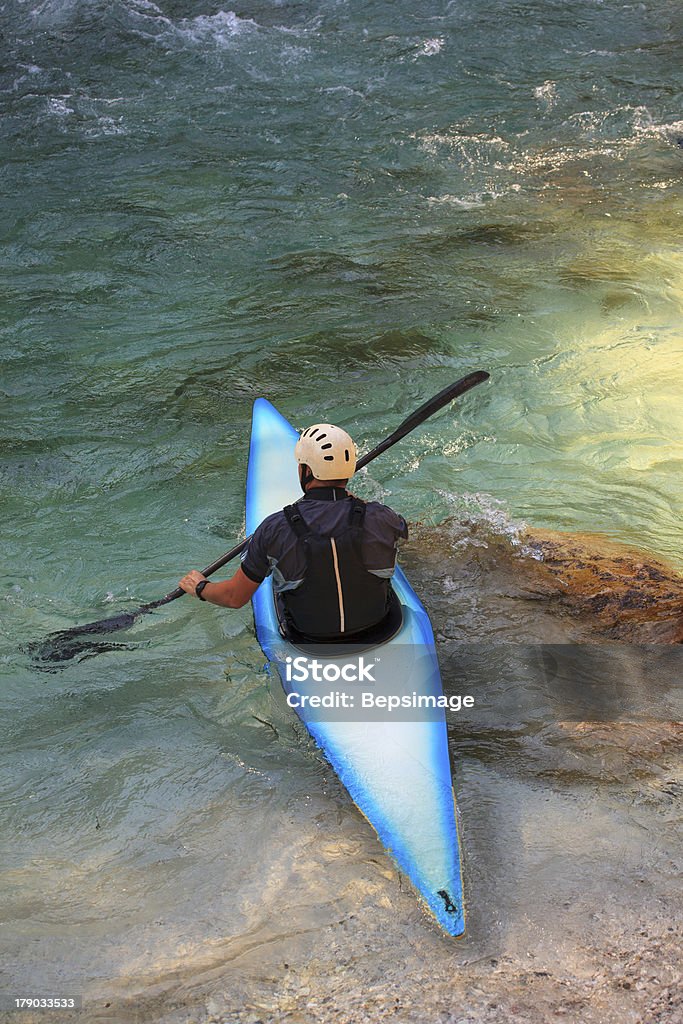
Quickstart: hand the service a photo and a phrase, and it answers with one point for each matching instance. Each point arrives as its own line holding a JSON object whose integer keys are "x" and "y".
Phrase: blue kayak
{"x": 396, "y": 767}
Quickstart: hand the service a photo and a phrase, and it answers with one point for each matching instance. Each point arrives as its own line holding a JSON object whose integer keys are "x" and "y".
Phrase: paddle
{"x": 64, "y": 644}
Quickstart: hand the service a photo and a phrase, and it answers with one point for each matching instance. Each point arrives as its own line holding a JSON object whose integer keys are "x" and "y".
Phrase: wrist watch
{"x": 198, "y": 589}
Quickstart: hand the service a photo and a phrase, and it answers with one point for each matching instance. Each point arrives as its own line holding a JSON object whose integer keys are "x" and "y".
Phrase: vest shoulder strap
{"x": 357, "y": 513}
{"x": 297, "y": 521}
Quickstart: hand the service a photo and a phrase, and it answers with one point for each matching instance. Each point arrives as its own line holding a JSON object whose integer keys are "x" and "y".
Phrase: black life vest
{"x": 338, "y": 596}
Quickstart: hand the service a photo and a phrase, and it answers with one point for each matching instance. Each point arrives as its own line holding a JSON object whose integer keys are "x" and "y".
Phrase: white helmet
{"x": 328, "y": 451}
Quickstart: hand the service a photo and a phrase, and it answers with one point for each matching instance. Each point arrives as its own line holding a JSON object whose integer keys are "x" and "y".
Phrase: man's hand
{"x": 189, "y": 583}
{"x": 232, "y": 593}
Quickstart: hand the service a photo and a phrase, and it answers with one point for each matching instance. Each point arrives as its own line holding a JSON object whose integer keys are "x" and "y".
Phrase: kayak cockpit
{"x": 376, "y": 635}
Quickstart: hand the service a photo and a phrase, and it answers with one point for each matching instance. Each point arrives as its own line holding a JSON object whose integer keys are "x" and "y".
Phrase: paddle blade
{"x": 443, "y": 398}
{"x": 425, "y": 411}
{"x": 66, "y": 644}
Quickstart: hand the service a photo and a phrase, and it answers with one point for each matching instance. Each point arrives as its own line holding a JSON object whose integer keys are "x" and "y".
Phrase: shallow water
{"x": 311, "y": 202}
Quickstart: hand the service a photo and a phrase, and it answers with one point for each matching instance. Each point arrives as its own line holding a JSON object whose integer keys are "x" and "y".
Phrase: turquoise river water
{"x": 343, "y": 207}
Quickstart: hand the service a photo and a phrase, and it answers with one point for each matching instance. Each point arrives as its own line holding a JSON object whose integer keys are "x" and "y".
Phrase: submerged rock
{"x": 542, "y": 586}
{"x": 624, "y": 593}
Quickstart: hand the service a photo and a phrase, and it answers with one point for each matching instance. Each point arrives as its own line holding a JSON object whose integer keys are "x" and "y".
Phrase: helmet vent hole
{"x": 329, "y": 458}
{"x": 321, "y": 437}
{"x": 346, "y": 454}
{"x": 326, "y": 446}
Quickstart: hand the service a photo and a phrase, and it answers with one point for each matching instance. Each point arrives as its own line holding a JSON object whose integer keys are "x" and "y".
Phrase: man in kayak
{"x": 331, "y": 555}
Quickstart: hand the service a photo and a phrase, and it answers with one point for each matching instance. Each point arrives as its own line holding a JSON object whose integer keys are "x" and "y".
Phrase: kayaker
{"x": 331, "y": 554}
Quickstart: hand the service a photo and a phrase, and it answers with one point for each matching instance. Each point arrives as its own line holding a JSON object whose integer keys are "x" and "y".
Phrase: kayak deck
{"x": 395, "y": 768}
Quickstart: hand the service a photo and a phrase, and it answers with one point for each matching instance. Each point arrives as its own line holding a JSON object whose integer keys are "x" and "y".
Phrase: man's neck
{"x": 323, "y": 490}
